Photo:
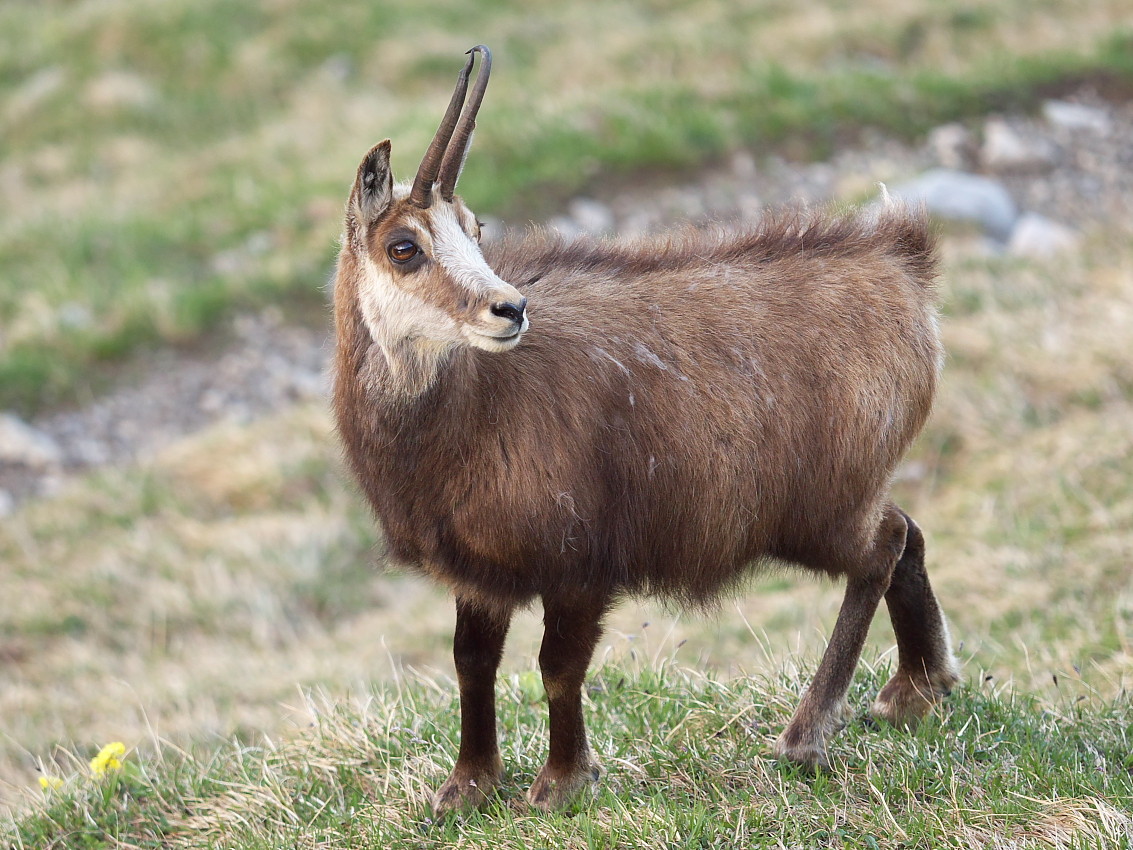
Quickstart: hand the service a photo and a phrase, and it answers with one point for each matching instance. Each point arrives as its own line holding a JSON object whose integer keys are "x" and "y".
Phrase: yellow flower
{"x": 49, "y": 782}
{"x": 108, "y": 758}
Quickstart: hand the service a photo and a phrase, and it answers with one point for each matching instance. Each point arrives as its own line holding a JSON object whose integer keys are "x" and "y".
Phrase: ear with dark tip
{"x": 373, "y": 187}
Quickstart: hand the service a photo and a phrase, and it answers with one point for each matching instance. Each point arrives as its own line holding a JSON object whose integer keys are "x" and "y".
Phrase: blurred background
{"x": 180, "y": 549}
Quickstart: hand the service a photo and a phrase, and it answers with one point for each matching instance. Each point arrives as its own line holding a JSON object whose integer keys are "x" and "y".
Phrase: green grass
{"x": 686, "y": 765}
{"x": 165, "y": 164}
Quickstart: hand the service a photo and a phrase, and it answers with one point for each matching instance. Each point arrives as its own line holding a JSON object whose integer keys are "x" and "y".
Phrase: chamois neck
{"x": 389, "y": 371}
{"x": 412, "y": 367}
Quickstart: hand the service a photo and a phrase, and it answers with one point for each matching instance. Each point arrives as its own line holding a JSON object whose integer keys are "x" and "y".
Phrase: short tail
{"x": 911, "y": 238}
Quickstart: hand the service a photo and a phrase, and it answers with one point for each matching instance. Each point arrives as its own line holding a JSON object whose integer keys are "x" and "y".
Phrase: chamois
{"x": 581, "y": 421}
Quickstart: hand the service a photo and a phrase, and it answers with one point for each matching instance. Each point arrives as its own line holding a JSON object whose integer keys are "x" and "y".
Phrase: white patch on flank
{"x": 604, "y": 353}
{"x": 645, "y": 355}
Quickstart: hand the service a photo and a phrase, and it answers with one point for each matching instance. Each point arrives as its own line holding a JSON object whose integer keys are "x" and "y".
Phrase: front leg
{"x": 477, "y": 648}
{"x": 571, "y": 631}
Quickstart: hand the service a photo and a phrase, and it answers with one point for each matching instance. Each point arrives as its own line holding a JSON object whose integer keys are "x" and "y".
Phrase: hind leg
{"x": 822, "y": 710}
{"x": 926, "y": 668}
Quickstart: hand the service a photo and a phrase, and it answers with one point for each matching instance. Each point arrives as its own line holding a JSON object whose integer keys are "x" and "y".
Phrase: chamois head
{"x": 421, "y": 277}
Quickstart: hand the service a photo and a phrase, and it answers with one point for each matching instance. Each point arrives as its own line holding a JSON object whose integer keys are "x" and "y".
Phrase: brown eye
{"x": 403, "y": 251}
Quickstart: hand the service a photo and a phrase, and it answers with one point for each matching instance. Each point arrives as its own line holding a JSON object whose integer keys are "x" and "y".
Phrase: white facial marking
{"x": 459, "y": 254}
{"x": 393, "y": 315}
{"x": 460, "y": 258}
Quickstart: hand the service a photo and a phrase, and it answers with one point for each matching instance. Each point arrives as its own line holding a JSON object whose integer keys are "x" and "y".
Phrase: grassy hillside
{"x": 187, "y": 599}
{"x": 164, "y": 162}
{"x": 686, "y": 765}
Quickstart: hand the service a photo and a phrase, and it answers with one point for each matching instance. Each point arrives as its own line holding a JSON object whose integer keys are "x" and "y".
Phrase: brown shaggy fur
{"x": 682, "y": 410}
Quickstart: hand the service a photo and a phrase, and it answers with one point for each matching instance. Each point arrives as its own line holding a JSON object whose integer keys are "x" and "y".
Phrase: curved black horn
{"x": 462, "y": 137}
{"x": 421, "y": 193}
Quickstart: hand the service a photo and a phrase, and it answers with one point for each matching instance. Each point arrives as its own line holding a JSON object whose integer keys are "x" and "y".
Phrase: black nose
{"x": 512, "y": 312}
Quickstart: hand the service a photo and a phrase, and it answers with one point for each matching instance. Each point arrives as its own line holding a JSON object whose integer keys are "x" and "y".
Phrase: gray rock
{"x": 952, "y": 146}
{"x": 749, "y": 206}
{"x": 491, "y": 228}
{"x": 7, "y": 504}
{"x": 1038, "y": 237}
{"x": 1077, "y": 116}
{"x": 959, "y": 196}
{"x": 637, "y": 222}
{"x": 592, "y": 216}
{"x": 23, "y": 445}
{"x": 566, "y": 226}
{"x": 1005, "y": 150}
{"x": 743, "y": 165}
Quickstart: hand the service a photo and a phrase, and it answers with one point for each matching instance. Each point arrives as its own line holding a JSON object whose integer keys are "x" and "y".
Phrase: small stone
{"x": 1077, "y": 116}
{"x": 339, "y": 67}
{"x": 7, "y": 504}
{"x": 1005, "y": 150}
{"x": 637, "y": 222}
{"x": 1038, "y": 237}
{"x": 952, "y": 146}
{"x": 23, "y": 445}
{"x": 959, "y": 196}
{"x": 50, "y": 485}
{"x": 212, "y": 400}
{"x": 565, "y": 226}
{"x": 491, "y": 228}
{"x": 75, "y": 316}
{"x": 592, "y": 216}
{"x": 681, "y": 202}
{"x": 306, "y": 384}
{"x": 743, "y": 165}
{"x": 749, "y": 206}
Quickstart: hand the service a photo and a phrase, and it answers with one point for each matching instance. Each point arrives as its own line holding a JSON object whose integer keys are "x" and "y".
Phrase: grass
{"x": 686, "y": 765}
{"x": 166, "y": 164}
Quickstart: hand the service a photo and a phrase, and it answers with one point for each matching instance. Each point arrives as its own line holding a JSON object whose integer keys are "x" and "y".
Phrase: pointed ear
{"x": 373, "y": 187}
